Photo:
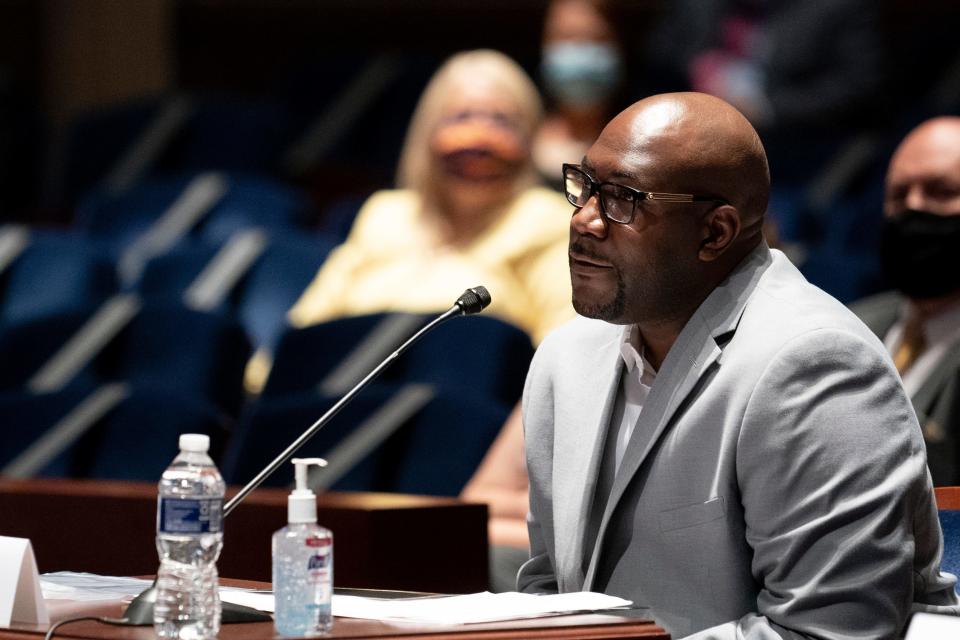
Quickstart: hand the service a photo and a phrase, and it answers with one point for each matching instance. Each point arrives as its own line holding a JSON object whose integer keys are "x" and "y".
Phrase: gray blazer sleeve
{"x": 538, "y": 575}
{"x": 837, "y": 499}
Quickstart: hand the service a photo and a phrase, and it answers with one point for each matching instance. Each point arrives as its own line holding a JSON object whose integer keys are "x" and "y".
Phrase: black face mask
{"x": 920, "y": 253}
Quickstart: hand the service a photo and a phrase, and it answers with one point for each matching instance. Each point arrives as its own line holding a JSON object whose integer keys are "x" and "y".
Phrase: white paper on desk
{"x": 473, "y": 608}
{"x": 89, "y": 587}
{"x": 259, "y": 600}
{"x": 20, "y": 597}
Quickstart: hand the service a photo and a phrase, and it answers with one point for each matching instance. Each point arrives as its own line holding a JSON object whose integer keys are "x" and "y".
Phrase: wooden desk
{"x": 578, "y": 627}
{"x": 382, "y": 541}
{"x": 947, "y": 497}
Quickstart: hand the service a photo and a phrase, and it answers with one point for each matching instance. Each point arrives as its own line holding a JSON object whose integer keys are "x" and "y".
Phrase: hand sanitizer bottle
{"x": 303, "y": 564}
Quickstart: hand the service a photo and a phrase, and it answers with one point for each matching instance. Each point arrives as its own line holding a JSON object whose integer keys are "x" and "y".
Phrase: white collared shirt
{"x": 940, "y": 332}
{"x": 635, "y": 382}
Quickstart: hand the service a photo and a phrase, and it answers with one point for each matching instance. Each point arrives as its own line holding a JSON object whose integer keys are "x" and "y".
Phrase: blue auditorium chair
{"x": 478, "y": 355}
{"x": 276, "y": 281}
{"x": 26, "y": 417}
{"x": 173, "y": 348}
{"x": 269, "y": 425}
{"x": 165, "y": 346}
{"x": 56, "y": 272}
{"x": 134, "y": 438}
{"x": 26, "y": 346}
{"x": 262, "y": 295}
{"x": 248, "y": 201}
{"x": 186, "y": 134}
{"x": 434, "y": 451}
{"x": 338, "y": 217}
{"x": 139, "y": 438}
{"x": 167, "y": 276}
{"x": 304, "y": 356}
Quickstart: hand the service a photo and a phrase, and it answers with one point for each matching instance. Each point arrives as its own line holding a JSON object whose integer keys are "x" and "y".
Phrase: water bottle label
{"x": 191, "y": 515}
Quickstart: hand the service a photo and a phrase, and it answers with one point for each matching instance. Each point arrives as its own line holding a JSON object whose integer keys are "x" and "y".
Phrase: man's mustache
{"x": 578, "y": 247}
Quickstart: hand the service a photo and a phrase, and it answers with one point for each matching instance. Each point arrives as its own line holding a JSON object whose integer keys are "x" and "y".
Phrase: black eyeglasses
{"x": 617, "y": 202}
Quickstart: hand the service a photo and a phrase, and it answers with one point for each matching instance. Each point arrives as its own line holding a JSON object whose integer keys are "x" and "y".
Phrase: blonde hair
{"x": 464, "y": 69}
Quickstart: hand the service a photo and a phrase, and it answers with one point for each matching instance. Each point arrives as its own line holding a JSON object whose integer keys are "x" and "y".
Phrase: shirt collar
{"x": 631, "y": 350}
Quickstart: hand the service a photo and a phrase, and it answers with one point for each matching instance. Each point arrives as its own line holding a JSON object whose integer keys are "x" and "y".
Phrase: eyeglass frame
{"x": 637, "y": 194}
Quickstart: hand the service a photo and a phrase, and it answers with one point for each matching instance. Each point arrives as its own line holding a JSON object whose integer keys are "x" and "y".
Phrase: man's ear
{"x": 721, "y": 227}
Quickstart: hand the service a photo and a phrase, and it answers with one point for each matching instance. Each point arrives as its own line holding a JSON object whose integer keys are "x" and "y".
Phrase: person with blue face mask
{"x": 582, "y": 72}
{"x": 919, "y": 320}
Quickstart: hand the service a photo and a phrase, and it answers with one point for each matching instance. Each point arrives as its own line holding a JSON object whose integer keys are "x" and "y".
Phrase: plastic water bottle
{"x": 189, "y": 539}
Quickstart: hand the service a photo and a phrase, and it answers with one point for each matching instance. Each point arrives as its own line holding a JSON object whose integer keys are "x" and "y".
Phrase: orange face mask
{"x": 479, "y": 146}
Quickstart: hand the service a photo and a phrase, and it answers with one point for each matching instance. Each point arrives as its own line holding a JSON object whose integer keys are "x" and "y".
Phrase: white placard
{"x": 930, "y": 626}
{"x": 20, "y": 597}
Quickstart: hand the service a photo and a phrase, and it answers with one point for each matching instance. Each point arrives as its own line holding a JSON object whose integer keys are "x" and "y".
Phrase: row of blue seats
{"x": 432, "y": 415}
{"x": 68, "y": 272}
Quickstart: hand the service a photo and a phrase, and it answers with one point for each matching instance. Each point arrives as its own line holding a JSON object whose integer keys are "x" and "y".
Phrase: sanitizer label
{"x": 190, "y": 515}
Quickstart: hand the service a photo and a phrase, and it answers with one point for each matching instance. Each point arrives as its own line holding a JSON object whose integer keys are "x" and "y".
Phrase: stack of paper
{"x": 87, "y": 587}
{"x": 472, "y": 608}
{"x": 466, "y": 609}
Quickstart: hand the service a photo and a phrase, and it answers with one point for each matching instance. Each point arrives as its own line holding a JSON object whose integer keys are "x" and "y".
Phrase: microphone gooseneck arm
{"x": 472, "y": 301}
{"x": 140, "y": 611}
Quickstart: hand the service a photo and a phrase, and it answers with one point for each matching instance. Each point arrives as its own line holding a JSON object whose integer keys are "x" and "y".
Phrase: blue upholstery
{"x": 166, "y": 346}
{"x": 169, "y": 347}
{"x": 950, "y": 523}
{"x": 304, "y": 356}
{"x": 167, "y": 276}
{"x": 249, "y": 202}
{"x": 269, "y": 426}
{"x": 57, "y": 272}
{"x": 133, "y": 441}
{"x": 138, "y": 438}
{"x": 206, "y": 140}
{"x": 263, "y": 296}
{"x": 477, "y": 355}
{"x": 435, "y": 452}
{"x": 25, "y": 417}
{"x": 276, "y": 281}
{"x": 338, "y": 217}
{"x": 26, "y": 346}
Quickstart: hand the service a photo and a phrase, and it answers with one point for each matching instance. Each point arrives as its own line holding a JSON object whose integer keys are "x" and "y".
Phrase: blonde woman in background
{"x": 468, "y": 211}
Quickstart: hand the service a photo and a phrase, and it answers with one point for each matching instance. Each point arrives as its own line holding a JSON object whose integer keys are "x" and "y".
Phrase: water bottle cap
{"x": 194, "y": 442}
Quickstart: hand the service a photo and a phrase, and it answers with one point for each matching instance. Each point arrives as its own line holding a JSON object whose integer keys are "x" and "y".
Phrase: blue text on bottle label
{"x": 190, "y": 515}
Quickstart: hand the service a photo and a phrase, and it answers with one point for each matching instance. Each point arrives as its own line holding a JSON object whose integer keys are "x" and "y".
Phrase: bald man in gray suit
{"x": 715, "y": 438}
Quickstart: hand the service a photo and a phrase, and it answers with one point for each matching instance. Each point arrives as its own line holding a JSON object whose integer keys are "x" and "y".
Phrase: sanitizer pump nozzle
{"x": 302, "y": 502}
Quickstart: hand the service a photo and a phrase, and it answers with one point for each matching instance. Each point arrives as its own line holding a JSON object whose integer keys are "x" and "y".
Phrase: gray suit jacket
{"x": 937, "y": 401}
{"x": 784, "y": 491}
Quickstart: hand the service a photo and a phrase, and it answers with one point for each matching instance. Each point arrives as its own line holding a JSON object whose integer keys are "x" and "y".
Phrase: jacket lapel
{"x": 691, "y": 356}
{"x": 575, "y": 474}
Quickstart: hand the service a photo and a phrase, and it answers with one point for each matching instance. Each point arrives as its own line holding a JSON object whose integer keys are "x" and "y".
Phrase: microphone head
{"x": 473, "y": 300}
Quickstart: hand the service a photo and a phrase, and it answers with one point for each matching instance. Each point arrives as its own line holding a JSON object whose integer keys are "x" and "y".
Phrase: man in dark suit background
{"x": 919, "y": 322}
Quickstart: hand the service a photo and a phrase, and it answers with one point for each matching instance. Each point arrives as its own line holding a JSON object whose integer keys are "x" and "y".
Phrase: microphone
{"x": 472, "y": 301}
